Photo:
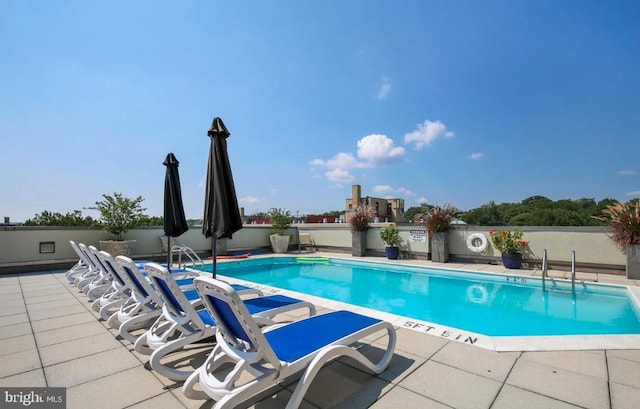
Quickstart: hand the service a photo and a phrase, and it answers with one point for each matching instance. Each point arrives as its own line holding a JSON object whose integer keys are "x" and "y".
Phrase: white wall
{"x": 20, "y": 245}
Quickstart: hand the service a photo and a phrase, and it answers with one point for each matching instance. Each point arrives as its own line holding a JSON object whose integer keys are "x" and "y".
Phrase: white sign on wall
{"x": 418, "y": 236}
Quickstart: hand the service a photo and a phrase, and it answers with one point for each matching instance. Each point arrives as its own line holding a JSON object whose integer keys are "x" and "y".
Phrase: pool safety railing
{"x": 544, "y": 270}
{"x": 573, "y": 272}
{"x": 190, "y": 256}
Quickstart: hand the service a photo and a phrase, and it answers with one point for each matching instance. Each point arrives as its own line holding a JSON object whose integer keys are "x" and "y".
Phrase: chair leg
{"x": 137, "y": 323}
{"x": 178, "y": 344}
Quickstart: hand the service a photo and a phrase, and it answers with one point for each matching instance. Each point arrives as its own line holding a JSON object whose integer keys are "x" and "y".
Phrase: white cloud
{"x": 248, "y": 200}
{"x": 377, "y": 149}
{"x": 382, "y": 189}
{"x": 427, "y": 133}
{"x": 476, "y": 155}
{"x": 627, "y": 172}
{"x": 635, "y": 193}
{"x": 339, "y": 176}
{"x": 391, "y": 191}
{"x": 385, "y": 89}
{"x": 343, "y": 160}
{"x": 372, "y": 150}
{"x": 422, "y": 200}
{"x": 405, "y": 191}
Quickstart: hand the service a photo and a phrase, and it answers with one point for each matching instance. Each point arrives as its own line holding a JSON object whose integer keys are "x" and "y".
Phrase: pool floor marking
{"x": 440, "y": 331}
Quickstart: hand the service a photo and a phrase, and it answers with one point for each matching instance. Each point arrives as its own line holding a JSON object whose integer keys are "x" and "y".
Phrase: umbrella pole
{"x": 214, "y": 244}
{"x": 214, "y": 256}
{"x": 169, "y": 253}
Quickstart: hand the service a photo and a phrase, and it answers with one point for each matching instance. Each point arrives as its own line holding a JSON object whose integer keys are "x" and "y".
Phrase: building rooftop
{"x": 50, "y": 336}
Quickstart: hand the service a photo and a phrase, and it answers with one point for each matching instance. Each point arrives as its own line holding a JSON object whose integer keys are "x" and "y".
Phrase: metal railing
{"x": 189, "y": 255}
{"x": 573, "y": 272}
{"x": 544, "y": 270}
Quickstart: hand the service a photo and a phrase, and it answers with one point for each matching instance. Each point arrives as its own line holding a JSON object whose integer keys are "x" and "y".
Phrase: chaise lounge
{"x": 276, "y": 354}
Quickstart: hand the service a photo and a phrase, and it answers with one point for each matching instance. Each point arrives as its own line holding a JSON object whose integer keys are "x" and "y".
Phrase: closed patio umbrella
{"x": 175, "y": 222}
{"x": 221, "y": 213}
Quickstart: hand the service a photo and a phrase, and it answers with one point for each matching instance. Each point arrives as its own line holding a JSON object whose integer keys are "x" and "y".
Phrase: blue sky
{"x": 460, "y": 102}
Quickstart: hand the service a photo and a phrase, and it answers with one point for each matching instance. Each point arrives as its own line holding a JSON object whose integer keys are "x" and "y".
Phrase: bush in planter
{"x": 359, "y": 219}
{"x": 119, "y": 214}
{"x": 624, "y": 223}
{"x": 280, "y": 221}
{"x": 390, "y": 235}
{"x": 511, "y": 245}
{"x": 437, "y": 220}
{"x": 508, "y": 241}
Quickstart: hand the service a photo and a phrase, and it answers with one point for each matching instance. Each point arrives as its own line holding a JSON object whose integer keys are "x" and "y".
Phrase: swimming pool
{"x": 489, "y": 304}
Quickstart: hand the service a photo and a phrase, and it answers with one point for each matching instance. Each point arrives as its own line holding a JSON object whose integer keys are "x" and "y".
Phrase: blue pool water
{"x": 494, "y": 305}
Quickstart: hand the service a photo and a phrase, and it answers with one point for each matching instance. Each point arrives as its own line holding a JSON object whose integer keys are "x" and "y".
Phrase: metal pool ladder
{"x": 573, "y": 271}
{"x": 189, "y": 256}
{"x": 544, "y": 270}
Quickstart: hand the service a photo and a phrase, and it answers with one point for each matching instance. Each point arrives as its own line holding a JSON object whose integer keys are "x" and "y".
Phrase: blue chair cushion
{"x": 255, "y": 306}
{"x": 206, "y": 317}
{"x": 260, "y": 304}
{"x": 300, "y": 338}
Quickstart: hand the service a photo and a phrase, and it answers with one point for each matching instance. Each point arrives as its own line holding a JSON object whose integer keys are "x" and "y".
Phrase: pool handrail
{"x": 544, "y": 270}
{"x": 573, "y": 272}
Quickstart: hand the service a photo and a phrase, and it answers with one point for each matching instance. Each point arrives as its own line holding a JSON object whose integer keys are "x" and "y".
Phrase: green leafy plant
{"x": 280, "y": 219}
{"x": 438, "y": 218}
{"x": 47, "y": 218}
{"x": 508, "y": 241}
{"x": 624, "y": 223}
{"x": 390, "y": 235}
{"x": 119, "y": 214}
{"x": 360, "y": 218}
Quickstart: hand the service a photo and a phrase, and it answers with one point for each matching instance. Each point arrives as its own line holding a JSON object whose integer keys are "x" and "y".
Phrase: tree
{"x": 411, "y": 212}
{"x": 539, "y": 211}
{"x": 47, "y": 218}
{"x": 153, "y": 221}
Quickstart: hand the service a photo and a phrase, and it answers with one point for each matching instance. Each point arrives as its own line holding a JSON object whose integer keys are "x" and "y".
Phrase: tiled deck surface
{"x": 49, "y": 336}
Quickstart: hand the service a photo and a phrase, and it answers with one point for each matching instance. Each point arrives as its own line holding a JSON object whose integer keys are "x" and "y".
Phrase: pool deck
{"x": 49, "y": 336}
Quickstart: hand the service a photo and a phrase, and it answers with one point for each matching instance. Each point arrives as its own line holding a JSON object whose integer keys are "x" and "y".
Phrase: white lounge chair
{"x": 92, "y": 272}
{"x": 119, "y": 290}
{"x": 143, "y": 304}
{"x": 78, "y": 269}
{"x": 101, "y": 281}
{"x": 277, "y": 353}
{"x": 181, "y": 324}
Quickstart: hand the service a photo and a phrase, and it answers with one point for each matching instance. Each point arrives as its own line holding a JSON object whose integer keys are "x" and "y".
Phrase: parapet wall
{"x": 42, "y": 247}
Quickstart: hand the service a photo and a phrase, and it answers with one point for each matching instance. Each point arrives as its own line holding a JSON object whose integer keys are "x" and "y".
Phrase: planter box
{"x": 279, "y": 242}
{"x": 119, "y": 248}
{"x": 513, "y": 261}
{"x": 359, "y": 243}
{"x": 440, "y": 247}
{"x": 633, "y": 261}
{"x": 392, "y": 252}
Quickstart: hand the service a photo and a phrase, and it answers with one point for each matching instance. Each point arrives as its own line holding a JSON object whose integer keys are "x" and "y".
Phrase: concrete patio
{"x": 49, "y": 336}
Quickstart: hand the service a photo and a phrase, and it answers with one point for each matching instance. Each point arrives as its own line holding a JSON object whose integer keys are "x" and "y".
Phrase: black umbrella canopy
{"x": 221, "y": 213}
{"x": 175, "y": 222}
